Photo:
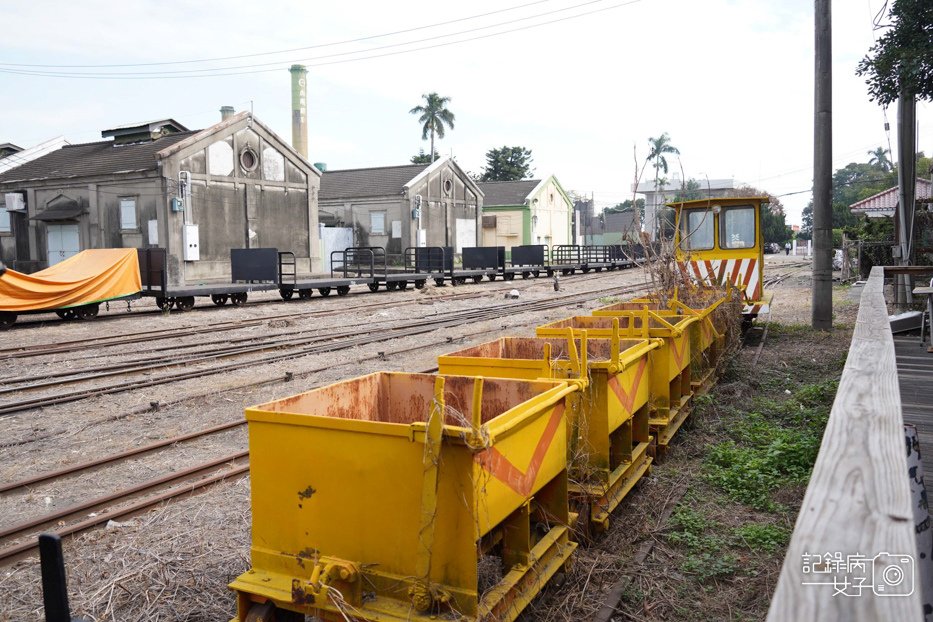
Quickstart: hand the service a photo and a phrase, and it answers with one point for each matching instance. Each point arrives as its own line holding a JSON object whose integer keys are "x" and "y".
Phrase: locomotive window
{"x": 696, "y": 230}
{"x": 737, "y": 227}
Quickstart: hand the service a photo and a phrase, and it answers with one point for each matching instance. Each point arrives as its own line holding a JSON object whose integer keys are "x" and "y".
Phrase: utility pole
{"x": 907, "y": 184}
{"x": 822, "y": 316}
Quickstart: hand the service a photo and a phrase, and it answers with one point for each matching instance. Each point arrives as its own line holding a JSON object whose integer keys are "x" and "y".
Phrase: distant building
{"x": 11, "y": 158}
{"x": 529, "y": 211}
{"x": 795, "y": 228}
{"x": 885, "y": 203}
{"x": 248, "y": 189}
{"x": 387, "y": 206}
{"x": 656, "y": 198}
{"x": 584, "y": 211}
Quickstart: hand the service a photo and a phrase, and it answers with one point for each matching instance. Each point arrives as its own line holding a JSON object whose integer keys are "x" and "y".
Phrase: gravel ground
{"x": 173, "y": 563}
{"x": 127, "y": 572}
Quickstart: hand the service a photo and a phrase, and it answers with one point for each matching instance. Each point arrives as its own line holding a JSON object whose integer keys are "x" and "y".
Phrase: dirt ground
{"x": 173, "y": 563}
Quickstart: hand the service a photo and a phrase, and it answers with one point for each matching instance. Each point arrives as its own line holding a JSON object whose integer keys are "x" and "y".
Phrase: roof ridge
{"x": 373, "y": 168}
{"x": 111, "y": 142}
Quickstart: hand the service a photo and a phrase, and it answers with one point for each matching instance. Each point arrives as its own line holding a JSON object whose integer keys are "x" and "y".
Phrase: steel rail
{"x": 11, "y": 551}
{"x": 129, "y": 338}
{"x": 404, "y": 330}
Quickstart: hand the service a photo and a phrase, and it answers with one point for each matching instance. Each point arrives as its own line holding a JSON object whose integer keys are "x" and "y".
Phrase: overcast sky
{"x": 731, "y": 81}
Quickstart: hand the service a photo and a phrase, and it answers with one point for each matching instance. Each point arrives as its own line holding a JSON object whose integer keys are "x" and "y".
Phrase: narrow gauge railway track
{"x": 187, "y": 353}
{"x": 75, "y": 345}
{"x": 181, "y": 483}
{"x": 301, "y": 347}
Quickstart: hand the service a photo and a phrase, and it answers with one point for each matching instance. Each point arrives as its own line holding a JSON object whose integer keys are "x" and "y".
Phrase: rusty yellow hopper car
{"x": 719, "y": 241}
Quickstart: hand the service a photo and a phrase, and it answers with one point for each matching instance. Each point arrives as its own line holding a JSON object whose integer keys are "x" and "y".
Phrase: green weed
{"x": 766, "y": 538}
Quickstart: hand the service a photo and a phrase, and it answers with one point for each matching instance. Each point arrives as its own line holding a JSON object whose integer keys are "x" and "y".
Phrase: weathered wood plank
{"x": 858, "y": 498}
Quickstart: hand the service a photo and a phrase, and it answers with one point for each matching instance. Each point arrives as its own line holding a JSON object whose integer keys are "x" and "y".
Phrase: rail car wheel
{"x": 304, "y": 294}
{"x": 599, "y": 269}
{"x": 492, "y": 277}
{"x": 66, "y": 314}
{"x": 585, "y": 269}
{"x": 374, "y": 287}
{"x": 461, "y": 280}
{"x": 6, "y": 319}
{"x": 419, "y": 284}
{"x": 323, "y": 291}
{"x": 221, "y": 299}
{"x": 477, "y": 278}
{"x": 392, "y": 285}
{"x": 550, "y": 273}
{"x": 439, "y": 282}
{"x": 403, "y": 284}
{"x": 184, "y": 303}
{"x": 508, "y": 276}
{"x": 87, "y": 312}
{"x": 286, "y": 294}
{"x": 238, "y": 299}
{"x": 566, "y": 271}
{"x": 536, "y": 273}
{"x": 164, "y": 303}
{"x": 343, "y": 290}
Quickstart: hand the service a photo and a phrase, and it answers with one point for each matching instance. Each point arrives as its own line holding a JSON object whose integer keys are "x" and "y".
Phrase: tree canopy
{"x": 424, "y": 158}
{"x": 507, "y": 164}
{"x": 902, "y": 58}
{"x": 434, "y": 117}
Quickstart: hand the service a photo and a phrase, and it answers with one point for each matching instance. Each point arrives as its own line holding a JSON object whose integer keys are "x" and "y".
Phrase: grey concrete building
{"x": 388, "y": 206}
{"x": 196, "y": 194}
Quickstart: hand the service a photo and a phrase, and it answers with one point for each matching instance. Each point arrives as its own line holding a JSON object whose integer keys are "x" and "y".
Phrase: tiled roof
{"x": 367, "y": 182}
{"x": 100, "y": 158}
{"x": 886, "y": 200}
{"x": 506, "y": 192}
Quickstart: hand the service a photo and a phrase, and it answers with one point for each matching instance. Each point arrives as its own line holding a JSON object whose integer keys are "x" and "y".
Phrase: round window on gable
{"x": 448, "y": 186}
{"x": 248, "y": 159}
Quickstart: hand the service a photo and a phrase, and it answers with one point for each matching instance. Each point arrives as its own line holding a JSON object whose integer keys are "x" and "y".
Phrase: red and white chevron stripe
{"x": 740, "y": 272}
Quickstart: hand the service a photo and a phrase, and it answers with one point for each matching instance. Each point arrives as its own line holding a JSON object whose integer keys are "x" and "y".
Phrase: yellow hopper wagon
{"x": 609, "y": 433}
{"x": 399, "y": 496}
{"x": 707, "y": 336}
{"x": 718, "y": 242}
{"x": 670, "y": 389}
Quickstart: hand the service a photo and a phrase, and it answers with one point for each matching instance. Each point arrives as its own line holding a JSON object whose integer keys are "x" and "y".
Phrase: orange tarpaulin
{"x": 88, "y": 277}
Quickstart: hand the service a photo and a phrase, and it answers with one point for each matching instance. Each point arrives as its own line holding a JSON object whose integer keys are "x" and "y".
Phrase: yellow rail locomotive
{"x": 719, "y": 242}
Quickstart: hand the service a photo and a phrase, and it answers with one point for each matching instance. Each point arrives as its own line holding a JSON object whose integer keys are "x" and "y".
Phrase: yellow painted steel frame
{"x": 612, "y": 422}
{"x": 671, "y": 388}
{"x": 706, "y": 342}
{"x": 742, "y": 267}
{"x": 378, "y": 495}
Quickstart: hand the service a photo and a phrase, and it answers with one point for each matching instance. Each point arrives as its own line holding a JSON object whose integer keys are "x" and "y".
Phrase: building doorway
{"x": 63, "y": 242}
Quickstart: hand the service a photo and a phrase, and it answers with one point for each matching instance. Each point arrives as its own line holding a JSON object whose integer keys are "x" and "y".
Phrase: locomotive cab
{"x": 719, "y": 241}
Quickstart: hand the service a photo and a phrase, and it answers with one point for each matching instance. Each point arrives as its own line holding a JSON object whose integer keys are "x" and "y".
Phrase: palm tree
{"x": 434, "y": 116}
{"x": 659, "y": 147}
{"x": 879, "y": 158}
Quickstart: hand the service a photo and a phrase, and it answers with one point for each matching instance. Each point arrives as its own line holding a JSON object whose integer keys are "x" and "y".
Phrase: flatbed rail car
{"x": 370, "y": 262}
{"x": 74, "y": 288}
{"x": 438, "y": 261}
{"x": 256, "y": 270}
{"x": 719, "y": 241}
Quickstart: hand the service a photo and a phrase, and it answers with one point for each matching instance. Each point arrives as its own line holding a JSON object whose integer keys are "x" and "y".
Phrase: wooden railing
{"x": 858, "y": 499}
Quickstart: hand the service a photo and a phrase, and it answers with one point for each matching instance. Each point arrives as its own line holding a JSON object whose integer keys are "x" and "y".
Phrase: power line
{"x": 164, "y": 76}
{"x": 288, "y": 51}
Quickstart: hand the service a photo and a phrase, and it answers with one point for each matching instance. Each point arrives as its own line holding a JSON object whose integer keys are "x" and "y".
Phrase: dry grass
{"x": 711, "y": 557}
{"x": 169, "y": 564}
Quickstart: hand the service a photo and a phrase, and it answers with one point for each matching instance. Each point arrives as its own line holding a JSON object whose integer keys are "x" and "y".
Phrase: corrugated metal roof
{"x": 367, "y": 182}
{"x": 88, "y": 159}
{"x": 886, "y": 200}
{"x": 506, "y": 192}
